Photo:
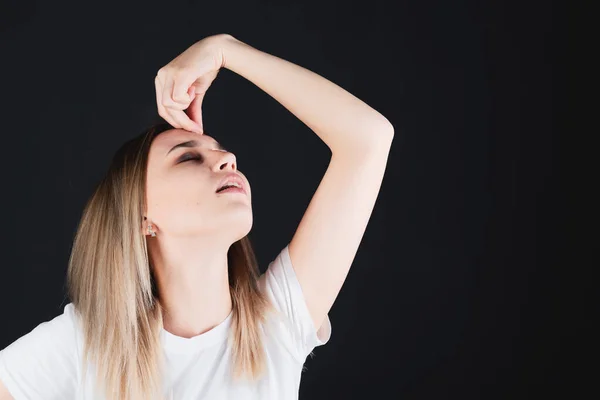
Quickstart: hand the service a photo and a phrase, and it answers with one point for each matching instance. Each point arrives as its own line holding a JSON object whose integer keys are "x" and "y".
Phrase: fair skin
{"x": 325, "y": 243}
{"x": 195, "y": 227}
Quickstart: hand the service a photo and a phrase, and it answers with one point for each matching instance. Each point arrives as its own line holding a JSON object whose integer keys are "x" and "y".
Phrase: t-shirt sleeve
{"x": 283, "y": 289}
{"x": 42, "y": 363}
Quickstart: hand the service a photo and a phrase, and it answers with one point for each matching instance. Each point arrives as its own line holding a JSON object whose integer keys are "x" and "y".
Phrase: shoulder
{"x": 58, "y": 329}
{"x": 43, "y": 360}
{"x": 57, "y": 336}
{"x": 62, "y": 328}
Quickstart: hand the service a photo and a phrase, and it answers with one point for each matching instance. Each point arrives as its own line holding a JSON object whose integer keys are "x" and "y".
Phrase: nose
{"x": 225, "y": 160}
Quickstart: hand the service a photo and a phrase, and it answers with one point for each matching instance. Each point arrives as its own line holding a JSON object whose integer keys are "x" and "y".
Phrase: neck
{"x": 193, "y": 284}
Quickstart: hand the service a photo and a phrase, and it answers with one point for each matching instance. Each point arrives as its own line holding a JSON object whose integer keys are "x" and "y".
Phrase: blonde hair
{"x": 110, "y": 281}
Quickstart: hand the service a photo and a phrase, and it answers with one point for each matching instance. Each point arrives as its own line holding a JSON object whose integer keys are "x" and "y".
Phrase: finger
{"x": 195, "y": 109}
{"x": 173, "y": 112}
{"x": 167, "y": 91}
{"x": 184, "y": 121}
{"x": 181, "y": 83}
{"x": 176, "y": 106}
{"x": 197, "y": 120}
{"x": 159, "y": 103}
{"x": 181, "y": 106}
{"x": 176, "y": 112}
{"x": 192, "y": 93}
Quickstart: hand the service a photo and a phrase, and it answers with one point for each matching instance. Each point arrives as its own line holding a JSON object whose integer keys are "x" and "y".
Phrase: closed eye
{"x": 188, "y": 157}
{"x": 194, "y": 156}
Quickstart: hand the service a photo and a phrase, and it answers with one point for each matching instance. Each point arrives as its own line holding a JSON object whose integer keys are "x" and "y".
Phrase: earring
{"x": 150, "y": 231}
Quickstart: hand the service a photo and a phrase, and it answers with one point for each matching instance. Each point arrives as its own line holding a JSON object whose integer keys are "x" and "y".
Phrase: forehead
{"x": 167, "y": 139}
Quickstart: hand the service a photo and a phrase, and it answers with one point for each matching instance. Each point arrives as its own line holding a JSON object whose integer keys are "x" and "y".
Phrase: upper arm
{"x": 327, "y": 238}
{"x": 4, "y": 394}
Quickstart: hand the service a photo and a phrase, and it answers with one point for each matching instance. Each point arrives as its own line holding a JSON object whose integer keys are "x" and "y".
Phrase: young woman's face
{"x": 181, "y": 188}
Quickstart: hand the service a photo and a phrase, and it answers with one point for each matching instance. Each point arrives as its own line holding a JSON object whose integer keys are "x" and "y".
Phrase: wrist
{"x": 229, "y": 45}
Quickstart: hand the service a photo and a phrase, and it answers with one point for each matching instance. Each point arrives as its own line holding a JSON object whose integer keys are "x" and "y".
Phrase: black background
{"x": 454, "y": 292}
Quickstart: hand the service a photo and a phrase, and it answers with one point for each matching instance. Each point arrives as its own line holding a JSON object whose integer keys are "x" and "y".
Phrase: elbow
{"x": 382, "y": 137}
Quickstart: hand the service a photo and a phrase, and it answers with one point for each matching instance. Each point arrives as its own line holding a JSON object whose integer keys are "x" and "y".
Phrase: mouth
{"x": 231, "y": 183}
{"x": 232, "y": 189}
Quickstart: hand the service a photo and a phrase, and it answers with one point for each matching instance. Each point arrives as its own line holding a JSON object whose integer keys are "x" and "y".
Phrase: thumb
{"x": 195, "y": 110}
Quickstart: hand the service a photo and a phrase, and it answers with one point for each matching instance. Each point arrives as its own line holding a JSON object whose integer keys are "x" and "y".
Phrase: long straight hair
{"x": 112, "y": 285}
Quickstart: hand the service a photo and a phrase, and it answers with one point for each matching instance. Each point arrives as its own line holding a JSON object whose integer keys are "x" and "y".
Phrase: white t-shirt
{"x": 44, "y": 363}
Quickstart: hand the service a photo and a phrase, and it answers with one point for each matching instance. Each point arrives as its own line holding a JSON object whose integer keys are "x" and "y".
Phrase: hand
{"x": 183, "y": 82}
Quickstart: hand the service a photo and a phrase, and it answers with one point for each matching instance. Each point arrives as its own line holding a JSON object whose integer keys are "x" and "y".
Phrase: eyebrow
{"x": 193, "y": 143}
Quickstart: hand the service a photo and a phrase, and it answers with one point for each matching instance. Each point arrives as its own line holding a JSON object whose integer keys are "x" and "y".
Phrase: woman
{"x": 167, "y": 299}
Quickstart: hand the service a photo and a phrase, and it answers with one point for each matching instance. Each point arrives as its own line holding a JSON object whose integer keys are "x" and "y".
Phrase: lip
{"x": 232, "y": 190}
{"x": 232, "y": 177}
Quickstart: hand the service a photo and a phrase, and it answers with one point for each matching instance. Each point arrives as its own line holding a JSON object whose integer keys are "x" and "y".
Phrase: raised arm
{"x": 325, "y": 243}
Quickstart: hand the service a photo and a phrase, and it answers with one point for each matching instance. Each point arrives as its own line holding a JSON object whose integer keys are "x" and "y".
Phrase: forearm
{"x": 342, "y": 121}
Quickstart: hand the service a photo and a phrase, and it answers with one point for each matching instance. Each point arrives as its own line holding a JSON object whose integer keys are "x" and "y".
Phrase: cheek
{"x": 186, "y": 197}
{"x": 184, "y": 205}
{"x": 187, "y": 186}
